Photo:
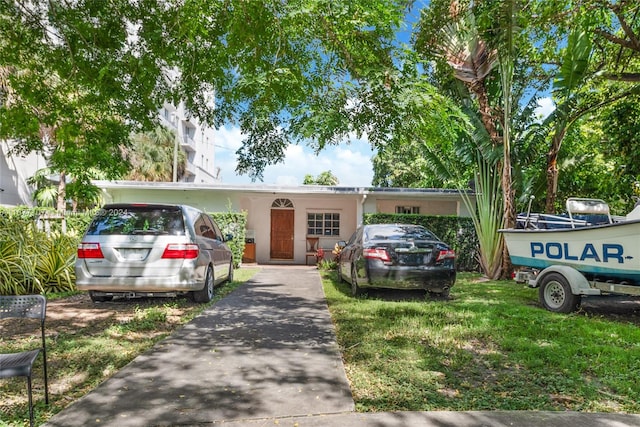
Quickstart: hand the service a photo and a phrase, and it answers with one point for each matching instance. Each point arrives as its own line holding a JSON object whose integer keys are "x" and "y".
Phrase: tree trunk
{"x": 552, "y": 170}
{"x": 509, "y": 211}
{"x": 486, "y": 113}
{"x": 62, "y": 185}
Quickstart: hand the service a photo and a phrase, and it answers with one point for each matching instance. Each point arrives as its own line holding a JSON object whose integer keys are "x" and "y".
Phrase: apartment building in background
{"x": 195, "y": 140}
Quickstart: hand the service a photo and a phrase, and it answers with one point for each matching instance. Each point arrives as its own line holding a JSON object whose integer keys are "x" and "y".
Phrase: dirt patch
{"x": 78, "y": 313}
{"x": 615, "y": 308}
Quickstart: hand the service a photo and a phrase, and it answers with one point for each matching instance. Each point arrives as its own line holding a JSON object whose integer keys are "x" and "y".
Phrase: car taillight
{"x": 376, "y": 253}
{"x": 89, "y": 250}
{"x": 181, "y": 250}
{"x": 446, "y": 254}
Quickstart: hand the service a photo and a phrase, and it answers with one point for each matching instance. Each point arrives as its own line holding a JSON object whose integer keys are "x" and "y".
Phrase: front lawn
{"x": 490, "y": 347}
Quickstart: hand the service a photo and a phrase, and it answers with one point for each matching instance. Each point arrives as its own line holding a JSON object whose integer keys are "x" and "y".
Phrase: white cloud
{"x": 351, "y": 163}
{"x": 229, "y": 138}
{"x": 545, "y": 107}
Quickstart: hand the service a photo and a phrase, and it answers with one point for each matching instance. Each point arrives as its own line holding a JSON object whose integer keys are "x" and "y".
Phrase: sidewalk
{"x": 265, "y": 355}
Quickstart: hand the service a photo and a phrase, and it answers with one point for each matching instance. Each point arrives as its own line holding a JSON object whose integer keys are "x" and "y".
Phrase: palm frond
{"x": 463, "y": 49}
{"x": 575, "y": 63}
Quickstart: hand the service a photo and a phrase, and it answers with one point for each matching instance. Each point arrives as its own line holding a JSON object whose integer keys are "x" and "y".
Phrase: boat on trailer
{"x": 586, "y": 251}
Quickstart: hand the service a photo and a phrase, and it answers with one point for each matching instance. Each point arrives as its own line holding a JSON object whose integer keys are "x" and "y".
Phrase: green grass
{"x": 491, "y": 347}
{"x": 80, "y": 358}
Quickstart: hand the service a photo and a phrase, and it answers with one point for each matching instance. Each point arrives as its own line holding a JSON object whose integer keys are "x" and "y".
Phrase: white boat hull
{"x": 602, "y": 252}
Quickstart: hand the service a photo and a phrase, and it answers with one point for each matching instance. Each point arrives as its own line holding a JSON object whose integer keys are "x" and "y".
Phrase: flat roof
{"x": 271, "y": 188}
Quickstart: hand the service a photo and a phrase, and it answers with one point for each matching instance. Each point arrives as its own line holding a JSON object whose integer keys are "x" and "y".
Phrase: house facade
{"x": 283, "y": 222}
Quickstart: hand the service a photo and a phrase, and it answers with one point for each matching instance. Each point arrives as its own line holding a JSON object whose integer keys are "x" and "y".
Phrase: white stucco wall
{"x": 430, "y": 203}
{"x": 259, "y": 206}
{"x": 206, "y": 200}
{"x": 14, "y": 172}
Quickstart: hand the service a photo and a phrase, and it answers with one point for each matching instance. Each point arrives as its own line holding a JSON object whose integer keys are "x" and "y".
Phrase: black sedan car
{"x": 397, "y": 256}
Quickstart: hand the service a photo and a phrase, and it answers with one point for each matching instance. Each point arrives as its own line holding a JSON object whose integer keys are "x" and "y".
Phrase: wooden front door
{"x": 282, "y": 233}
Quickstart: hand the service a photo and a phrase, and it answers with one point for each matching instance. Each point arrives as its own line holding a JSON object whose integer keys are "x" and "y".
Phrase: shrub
{"x": 234, "y": 223}
{"x": 19, "y": 253}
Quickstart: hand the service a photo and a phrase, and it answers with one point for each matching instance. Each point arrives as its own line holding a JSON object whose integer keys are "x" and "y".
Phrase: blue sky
{"x": 350, "y": 162}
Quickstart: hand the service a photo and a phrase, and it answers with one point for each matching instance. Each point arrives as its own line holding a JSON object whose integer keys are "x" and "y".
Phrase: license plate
{"x": 133, "y": 254}
{"x": 416, "y": 258}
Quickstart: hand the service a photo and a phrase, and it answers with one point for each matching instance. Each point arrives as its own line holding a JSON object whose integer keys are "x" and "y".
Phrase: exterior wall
{"x": 206, "y": 200}
{"x": 259, "y": 206}
{"x": 197, "y": 142}
{"x": 430, "y": 203}
{"x": 14, "y": 172}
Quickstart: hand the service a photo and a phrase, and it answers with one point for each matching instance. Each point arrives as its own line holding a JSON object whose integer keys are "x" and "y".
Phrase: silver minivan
{"x": 151, "y": 249}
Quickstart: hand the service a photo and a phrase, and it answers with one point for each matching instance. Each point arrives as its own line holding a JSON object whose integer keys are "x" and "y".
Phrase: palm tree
{"x": 45, "y": 193}
{"x": 151, "y": 156}
{"x": 81, "y": 192}
{"x": 472, "y": 61}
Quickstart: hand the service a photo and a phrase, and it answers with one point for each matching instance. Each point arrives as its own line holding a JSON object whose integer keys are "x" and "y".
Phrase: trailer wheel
{"x": 556, "y": 295}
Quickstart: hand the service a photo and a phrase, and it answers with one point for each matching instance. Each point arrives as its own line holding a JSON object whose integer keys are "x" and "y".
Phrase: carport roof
{"x": 270, "y": 188}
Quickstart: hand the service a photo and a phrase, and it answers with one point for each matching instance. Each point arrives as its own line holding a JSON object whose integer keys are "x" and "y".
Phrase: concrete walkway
{"x": 265, "y": 355}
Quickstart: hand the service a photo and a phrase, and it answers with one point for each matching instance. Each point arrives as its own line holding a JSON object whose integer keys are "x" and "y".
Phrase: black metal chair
{"x": 21, "y": 364}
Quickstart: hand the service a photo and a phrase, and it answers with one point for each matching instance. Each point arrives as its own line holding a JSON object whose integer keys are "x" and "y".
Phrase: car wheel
{"x": 445, "y": 293}
{"x": 206, "y": 293}
{"x": 100, "y": 298}
{"x": 555, "y": 294}
{"x": 230, "y": 276}
{"x": 355, "y": 289}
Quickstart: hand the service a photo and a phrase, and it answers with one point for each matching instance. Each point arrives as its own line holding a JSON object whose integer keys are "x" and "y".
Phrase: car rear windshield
{"x": 137, "y": 220}
{"x": 399, "y": 232}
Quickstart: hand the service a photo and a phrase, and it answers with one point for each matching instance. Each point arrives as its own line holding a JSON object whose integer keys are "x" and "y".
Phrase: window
{"x": 128, "y": 220}
{"x": 407, "y": 209}
{"x": 204, "y": 227}
{"x": 323, "y": 224}
{"x": 282, "y": 204}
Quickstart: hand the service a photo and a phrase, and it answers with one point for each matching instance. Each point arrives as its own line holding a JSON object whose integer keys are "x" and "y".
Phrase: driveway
{"x": 266, "y": 350}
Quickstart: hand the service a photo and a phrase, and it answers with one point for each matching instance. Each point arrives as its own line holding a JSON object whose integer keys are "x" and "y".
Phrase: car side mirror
{"x": 228, "y": 237}
{"x": 342, "y": 244}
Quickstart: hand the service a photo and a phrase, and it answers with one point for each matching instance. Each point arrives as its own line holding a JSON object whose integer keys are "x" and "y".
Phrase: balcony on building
{"x": 190, "y": 169}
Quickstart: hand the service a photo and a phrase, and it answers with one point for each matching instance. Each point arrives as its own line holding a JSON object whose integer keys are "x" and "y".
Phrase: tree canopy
{"x": 324, "y": 178}
{"x": 281, "y": 71}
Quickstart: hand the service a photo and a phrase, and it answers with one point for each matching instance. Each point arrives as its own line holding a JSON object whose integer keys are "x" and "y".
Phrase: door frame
{"x": 282, "y": 238}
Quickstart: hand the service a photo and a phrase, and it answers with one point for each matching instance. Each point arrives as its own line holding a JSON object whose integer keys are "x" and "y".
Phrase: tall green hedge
{"x": 458, "y": 232}
{"x": 234, "y": 223}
